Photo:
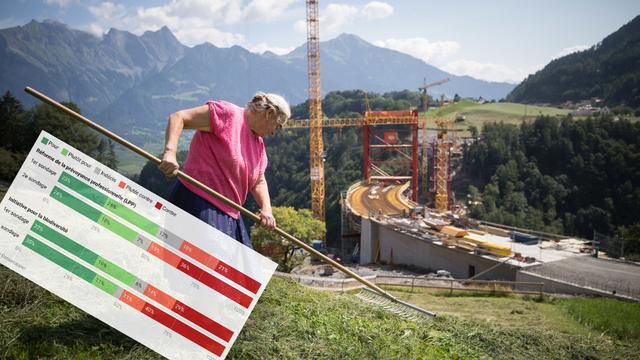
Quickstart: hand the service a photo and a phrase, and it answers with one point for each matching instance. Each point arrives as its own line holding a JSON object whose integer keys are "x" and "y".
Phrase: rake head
{"x": 398, "y": 307}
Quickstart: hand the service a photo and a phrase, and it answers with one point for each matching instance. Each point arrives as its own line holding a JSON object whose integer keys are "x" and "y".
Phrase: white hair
{"x": 264, "y": 101}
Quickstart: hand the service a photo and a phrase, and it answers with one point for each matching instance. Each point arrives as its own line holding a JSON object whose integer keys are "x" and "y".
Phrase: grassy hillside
{"x": 292, "y": 322}
{"x": 477, "y": 114}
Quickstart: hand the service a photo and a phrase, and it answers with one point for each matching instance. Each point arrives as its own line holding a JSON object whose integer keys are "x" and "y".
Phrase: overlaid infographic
{"x": 126, "y": 256}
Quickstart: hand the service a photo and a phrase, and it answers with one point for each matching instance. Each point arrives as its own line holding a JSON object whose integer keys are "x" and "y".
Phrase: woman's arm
{"x": 194, "y": 118}
{"x": 260, "y": 193}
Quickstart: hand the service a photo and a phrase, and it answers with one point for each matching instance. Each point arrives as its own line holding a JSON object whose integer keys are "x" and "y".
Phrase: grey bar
{"x": 118, "y": 293}
{"x": 169, "y": 238}
{"x": 142, "y": 242}
{"x": 139, "y": 285}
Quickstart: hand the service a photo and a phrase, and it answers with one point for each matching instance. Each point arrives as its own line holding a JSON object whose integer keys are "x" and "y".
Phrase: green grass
{"x": 478, "y": 114}
{"x": 293, "y": 322}
{"x": 609, "y": 316}
{"x": 518, "y": 109}
{"x": 507, "y": 311}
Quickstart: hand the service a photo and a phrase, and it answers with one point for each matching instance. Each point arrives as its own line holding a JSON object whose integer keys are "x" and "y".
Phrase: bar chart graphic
{"x": 124, "y": 255}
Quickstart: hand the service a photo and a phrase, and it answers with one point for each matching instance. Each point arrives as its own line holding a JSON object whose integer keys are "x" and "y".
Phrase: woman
{"x": 227, "y": 154}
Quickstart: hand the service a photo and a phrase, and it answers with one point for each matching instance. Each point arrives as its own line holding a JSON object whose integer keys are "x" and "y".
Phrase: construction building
{"x": 471, "y": 249}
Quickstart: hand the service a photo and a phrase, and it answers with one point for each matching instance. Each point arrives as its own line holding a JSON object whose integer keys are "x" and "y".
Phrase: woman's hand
{"x": 169, "y": 165}
{"x": 266, "y": 219}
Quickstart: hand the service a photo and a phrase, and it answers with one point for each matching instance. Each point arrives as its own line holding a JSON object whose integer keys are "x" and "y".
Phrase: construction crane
{"x": 424, "y": 106}
{"x": 443, "y": 148}
{"x": 344, "y": 122}
{"x": 316, "y": 160}
{"x": 372, "y": 119}
{"x": 424, "y": 99}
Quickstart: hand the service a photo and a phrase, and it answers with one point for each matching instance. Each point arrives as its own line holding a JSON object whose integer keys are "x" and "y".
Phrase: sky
{"x": 495, "y": 40}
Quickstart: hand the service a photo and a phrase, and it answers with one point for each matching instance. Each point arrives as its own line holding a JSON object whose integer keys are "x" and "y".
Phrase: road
{"x": 601, "y": 274}
{"x": 374, "y": 198}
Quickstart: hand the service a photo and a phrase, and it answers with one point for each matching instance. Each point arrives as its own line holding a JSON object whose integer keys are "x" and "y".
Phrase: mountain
{"x": 134, "y": 82}
{"x": 205, "y": 71}
{"x": 378, "y": 69}
{"x": 74, "y": 65}
{"x": 347, "y": 62}
{"x": 609, "y": 70}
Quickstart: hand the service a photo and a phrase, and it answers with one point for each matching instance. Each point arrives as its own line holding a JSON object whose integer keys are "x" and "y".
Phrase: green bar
{"x": 114, "y": 270}
{"x": 82, "y": 188}
{"x": 84, "y": 273}
{"x": 117, "y": 228}
{"x": 83, "y": 253}
{"x": 64, "y": 242}
{"x": 112, "y": 205}
{"x": 132, "y": 216}
{"x": 58, "y": 258}
{"x": 104, "y": 285}
{"x": 77, "y": 205}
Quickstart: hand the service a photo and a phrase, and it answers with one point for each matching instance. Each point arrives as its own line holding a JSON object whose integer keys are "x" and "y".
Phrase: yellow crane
{"x": 443, "y": 148}
{"x": 424, "y": 106}
{"x": 316, "y": 161}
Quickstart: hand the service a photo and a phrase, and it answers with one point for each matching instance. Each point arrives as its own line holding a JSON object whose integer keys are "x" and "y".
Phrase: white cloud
{"x": 108, "y": 11}
{"x": 377, "y": 10}
{"x": 489, "y": 71}
{"x": 266, "y": 10}
{"x": 300, "y": 27}
{"x": 570, "y": 50}
{"x": 96, "y": 30}
{"x": 442, "y": 55}
{"x": 192, "y": 21}
{"x": 337, "y": 15}
{"x": 261, "y": 48}
{"x": 60, "y": 3}
{"x": 197, "y": 35}
{"x": 422, "y": 48}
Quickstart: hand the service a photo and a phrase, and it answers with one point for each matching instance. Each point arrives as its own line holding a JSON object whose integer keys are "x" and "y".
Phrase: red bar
{"x": 188, "y": 313}
{"x": 220, "y": 267}
{"x": 195, "y": 252}
{"x": 171, "y": 322}
{"x": 160, "y": 296}
{"x": 158, "y": 315}
{"x": 199, "y": 274}
{"x": 234, "y": 275}
{"x": 190, "y": 269}
{"x": 132, "y": 300}
{"x": 225, "y": 289}
{"x": 164, "y": 254}
{"x": 197, "y": 337}
{"x": 201, "y": 320}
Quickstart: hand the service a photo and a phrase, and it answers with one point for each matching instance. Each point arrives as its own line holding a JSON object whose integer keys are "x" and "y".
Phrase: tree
{"x": 13, "y": 124}
{"x": 46, "y": 117}
{"x": 627, "y": 241}
{"x": 300, "y": 224}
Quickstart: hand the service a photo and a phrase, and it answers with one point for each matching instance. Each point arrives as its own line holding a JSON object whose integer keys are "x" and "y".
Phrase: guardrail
{"x": 488, "y": 286}
{"x": 413, "y": 282}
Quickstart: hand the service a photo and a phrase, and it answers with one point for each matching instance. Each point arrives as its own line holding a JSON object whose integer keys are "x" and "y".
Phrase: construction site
{"x": 409, "y": 249}
{"x": 402, "y": 212}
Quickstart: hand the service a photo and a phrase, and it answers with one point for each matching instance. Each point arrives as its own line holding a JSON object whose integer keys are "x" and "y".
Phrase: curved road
{"x": 365, "y": 198}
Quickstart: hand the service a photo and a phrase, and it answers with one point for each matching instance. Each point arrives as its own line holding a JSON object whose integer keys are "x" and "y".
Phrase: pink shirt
{"x": 229, "y": 159}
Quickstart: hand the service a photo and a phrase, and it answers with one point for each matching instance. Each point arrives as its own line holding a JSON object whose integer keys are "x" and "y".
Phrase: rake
{"x": 372, "y": 293}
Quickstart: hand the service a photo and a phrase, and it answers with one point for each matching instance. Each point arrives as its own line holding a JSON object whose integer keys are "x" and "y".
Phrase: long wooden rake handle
{"x": 209, "y": 191}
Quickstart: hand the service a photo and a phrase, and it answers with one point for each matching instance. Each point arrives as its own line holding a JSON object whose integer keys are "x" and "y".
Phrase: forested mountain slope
{"x": 609, "y": 70}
